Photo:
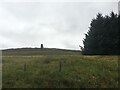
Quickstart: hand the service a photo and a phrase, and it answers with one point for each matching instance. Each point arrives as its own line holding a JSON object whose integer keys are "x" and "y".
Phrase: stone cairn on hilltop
{"x": 41, "y": 46}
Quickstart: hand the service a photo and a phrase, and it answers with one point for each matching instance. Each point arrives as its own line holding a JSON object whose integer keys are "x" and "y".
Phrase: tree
{"x": 102, "y": 36}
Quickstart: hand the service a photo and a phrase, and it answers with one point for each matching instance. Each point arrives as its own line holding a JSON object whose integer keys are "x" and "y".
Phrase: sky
{"x": 55, "y": 24}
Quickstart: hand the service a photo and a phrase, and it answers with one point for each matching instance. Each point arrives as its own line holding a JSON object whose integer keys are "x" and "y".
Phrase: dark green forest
{"x": 102, "y": 37}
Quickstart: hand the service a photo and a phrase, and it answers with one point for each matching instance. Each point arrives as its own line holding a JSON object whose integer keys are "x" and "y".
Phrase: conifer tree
{"x": 102, "y": 37}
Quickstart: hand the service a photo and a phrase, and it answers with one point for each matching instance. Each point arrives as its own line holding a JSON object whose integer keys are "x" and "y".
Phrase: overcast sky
{"x": 55, "y": 24}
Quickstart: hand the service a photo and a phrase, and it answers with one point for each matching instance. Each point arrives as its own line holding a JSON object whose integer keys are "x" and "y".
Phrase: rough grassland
{"x": 43, "y": 71}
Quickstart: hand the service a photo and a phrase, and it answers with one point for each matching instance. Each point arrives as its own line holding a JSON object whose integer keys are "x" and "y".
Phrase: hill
{"x": 39, "y": 51}
{"x": 57, "y": 68}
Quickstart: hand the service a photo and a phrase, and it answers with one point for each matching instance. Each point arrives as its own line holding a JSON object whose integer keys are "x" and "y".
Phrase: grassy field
{"x": 58, "y": 69}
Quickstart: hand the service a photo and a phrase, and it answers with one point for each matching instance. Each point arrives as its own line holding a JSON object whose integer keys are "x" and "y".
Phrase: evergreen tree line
{"x": 102, "y": 37}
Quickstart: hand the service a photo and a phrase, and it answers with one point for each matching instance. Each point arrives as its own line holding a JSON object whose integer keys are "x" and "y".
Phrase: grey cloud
{"x": 58, "y": 25}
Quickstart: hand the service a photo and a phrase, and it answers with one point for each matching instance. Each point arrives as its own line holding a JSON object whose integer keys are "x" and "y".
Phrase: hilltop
{"x": 39, "y": 51}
